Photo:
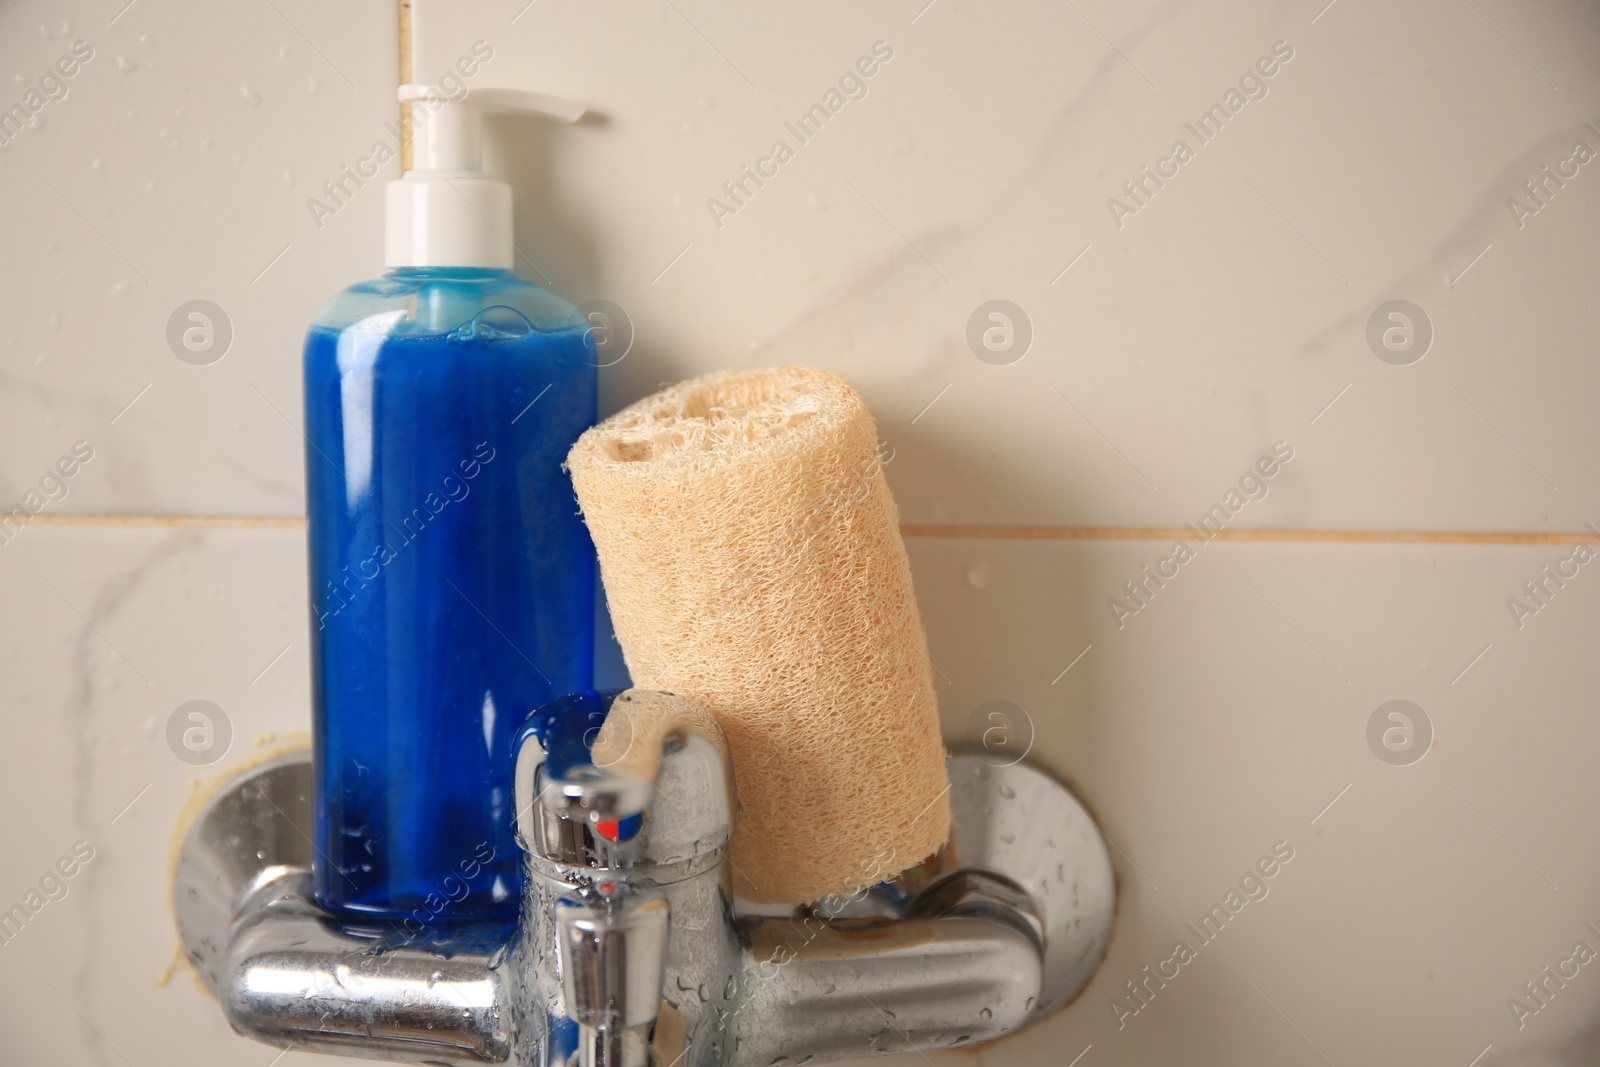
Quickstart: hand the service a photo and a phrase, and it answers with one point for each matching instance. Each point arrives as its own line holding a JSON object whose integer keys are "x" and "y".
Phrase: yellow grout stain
{"x": 220, "y": 522}
{"x": 1175, "y": 533}
{"x": 405, "y": 79}
{"x": 1025, "y": 533}
{"x": 201, "y": 793}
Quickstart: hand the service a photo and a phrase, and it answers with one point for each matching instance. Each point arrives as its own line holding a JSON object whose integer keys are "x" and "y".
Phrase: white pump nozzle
{"x": 446, "y": 212}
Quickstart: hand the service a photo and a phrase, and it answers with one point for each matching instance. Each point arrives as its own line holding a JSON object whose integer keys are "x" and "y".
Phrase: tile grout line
{"x": 1174, "y": 533}
{"x": 1026, "y": 533}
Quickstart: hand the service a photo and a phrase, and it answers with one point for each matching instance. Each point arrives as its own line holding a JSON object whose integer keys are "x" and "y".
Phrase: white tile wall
{"x": 1222, "y": 317}
{"x": 1229, "y": 713}
{"x": 177, "y": 168}
{"x": 112, "y": 630}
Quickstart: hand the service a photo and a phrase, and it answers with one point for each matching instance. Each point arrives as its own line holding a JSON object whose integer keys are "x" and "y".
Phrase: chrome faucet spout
{"x": 288, "y": 973}
{"x": 868, "y": 986}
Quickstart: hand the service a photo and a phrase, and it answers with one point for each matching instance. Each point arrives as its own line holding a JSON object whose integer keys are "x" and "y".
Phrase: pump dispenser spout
{"x": 447, "y": 212}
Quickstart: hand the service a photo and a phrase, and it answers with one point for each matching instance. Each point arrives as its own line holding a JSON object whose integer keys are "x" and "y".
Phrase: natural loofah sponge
{"x": 752, "y": 558}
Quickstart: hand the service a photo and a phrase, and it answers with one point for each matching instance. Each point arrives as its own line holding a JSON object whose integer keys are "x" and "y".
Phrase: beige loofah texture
{"x": 752, "y": 558}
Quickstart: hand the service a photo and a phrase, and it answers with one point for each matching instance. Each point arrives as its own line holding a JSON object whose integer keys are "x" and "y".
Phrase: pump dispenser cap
{"x": 446, "y": 212}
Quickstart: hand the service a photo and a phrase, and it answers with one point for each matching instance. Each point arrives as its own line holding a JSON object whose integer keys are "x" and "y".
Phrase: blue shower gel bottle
{"x": 451, "y": 578}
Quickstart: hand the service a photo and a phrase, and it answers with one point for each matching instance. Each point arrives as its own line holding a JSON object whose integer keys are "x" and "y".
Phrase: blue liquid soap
{"x": 452, "y": 580}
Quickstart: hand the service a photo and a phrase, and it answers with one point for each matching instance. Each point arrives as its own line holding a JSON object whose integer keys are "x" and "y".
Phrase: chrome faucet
{"x": 630, "y": 949}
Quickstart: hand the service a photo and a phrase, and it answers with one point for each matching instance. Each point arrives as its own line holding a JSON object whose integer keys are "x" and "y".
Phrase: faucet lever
{"x": 595, "y": 794}
{"x": 591, "y": 767}
{"x": 611, "y": 941}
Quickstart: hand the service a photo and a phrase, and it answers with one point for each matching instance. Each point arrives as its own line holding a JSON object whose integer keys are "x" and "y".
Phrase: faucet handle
{"x": 595, "y": 794}
{"x": 590, "y": 768}
{"x": 611, "y": 943}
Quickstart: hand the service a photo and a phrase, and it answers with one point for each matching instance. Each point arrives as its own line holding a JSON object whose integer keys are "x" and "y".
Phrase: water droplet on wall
{"x": 252, "y": 97}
